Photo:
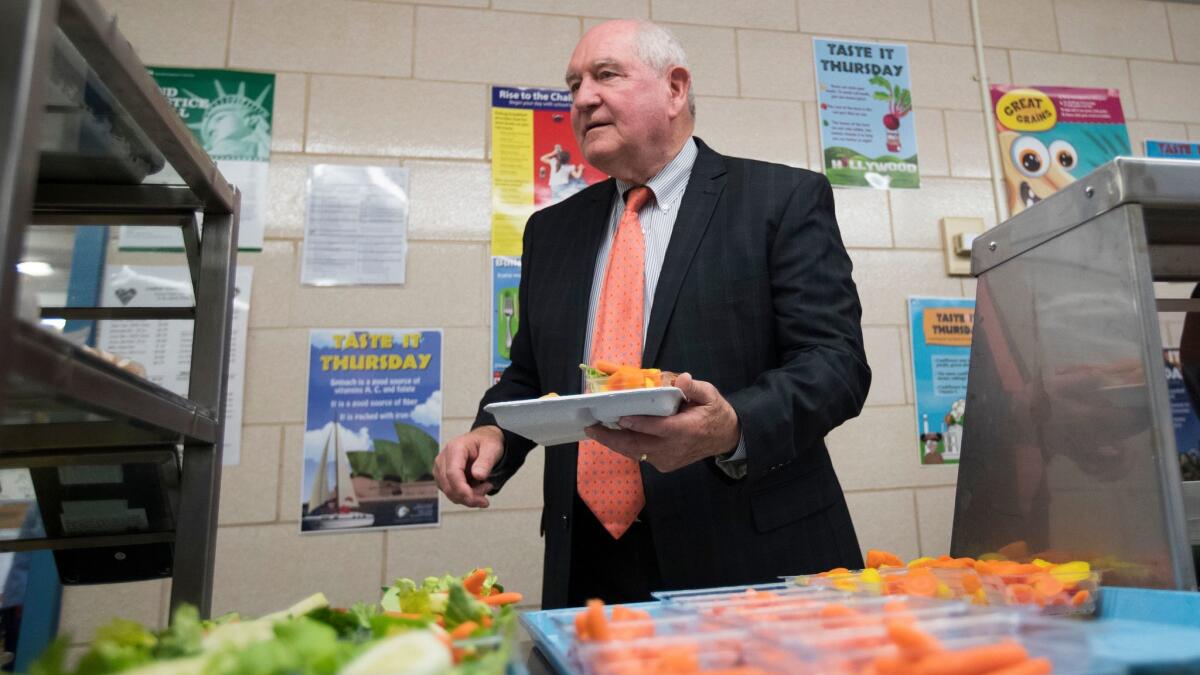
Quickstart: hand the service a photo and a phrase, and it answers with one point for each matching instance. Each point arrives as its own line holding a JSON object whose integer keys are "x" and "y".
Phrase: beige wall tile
{"x": 535, "y": 47}
{"x": 996, "y": 62}
{"x": 291, "y": 472}
{"x": 249, "y": 491}
{"x": 1158, "y": 131}
{"x": 323, "y": 36}
{"x": 291, "y": 108}
{"x": 615, "y": 9}
{"x": 450, "y": 200}
{"x": 863, "y": 217}
{"x": 935, "y": 515}
{"x": 713, "y": 57}
{"x": 193, "y": 34}
{"x": 886, "y": 520}
{"x": 773, "y": 14}
{"x": 448, "y": 3}
{"x": 931, "y": 142}
{"x": 508, "y": 541}
{"x": 917, "y": 214}
{"x": 1093, "y": 27}
{"x": 265, "y": 568}
{"x": 1194, "y": 132}
{"x": 952, "y": 21}
{"x": 1166, "y": 91}
{"x": 885, "y": 279}
{"x": 883, "y": 354}
{"x": 85, "y": 608}
{"x": 288, "y": 200}
{"x": 886, "y": 19}
{"x": 425, "y": 299}
{"x": 816, "y": 161}
{"x": 943, "y": 76}
{"x": 879, "y": 450}
{"x": 1025, "y": 24}
{"x": 968, "y": 287}
{"x": 1177, "y": 289}
{"x": 772, "y": 64}
{"x": 1075, "y": 71}
{"x": 1174, "y": 335}
{"x": 772, "y": 131}
{"x": 276, "y": 365}
{"x": 368, "y": 116}
{"x": 275, "y": 277}
{"x": 967, "y": 144}
{"x": 1184, "y": 22}
{"x": 466, "y": 370}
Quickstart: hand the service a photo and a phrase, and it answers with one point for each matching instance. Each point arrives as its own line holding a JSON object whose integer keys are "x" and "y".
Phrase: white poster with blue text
{"x": 865, "y": 112}
{"x": 372, "y": 429}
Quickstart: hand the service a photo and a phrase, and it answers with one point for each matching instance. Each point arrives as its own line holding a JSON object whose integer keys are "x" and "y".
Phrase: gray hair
{"x": 660, "y": 49}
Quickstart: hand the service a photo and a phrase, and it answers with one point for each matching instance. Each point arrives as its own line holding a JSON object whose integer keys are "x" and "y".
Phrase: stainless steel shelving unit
{"x": 1069, "y": 445}
{"x": 64, "y": 410}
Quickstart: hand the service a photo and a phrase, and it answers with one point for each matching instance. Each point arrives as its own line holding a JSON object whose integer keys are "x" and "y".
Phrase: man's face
{"x": 621, "y": 109}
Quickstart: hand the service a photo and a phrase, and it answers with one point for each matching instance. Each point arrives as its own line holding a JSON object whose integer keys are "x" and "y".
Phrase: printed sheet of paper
{"x": 356, "y": 228}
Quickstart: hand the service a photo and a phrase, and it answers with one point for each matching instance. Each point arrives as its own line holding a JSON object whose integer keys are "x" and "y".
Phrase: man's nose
{"x": 586, "y": 96}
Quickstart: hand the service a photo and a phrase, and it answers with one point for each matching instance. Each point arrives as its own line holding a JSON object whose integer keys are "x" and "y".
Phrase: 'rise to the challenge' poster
{"x": 865, "y": 109}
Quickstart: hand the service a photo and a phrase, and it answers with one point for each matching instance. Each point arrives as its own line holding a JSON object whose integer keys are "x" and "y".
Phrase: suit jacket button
{"x": 566, "y": 522}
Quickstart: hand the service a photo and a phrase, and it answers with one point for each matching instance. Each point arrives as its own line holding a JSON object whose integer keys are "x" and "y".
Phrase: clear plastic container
{"x": 717, "y": 650}
{"x": 833, "y": 613}
{"x": 731, "y": 601}
{"x": 648, "y": 378}
{"x": 853, "y": 650}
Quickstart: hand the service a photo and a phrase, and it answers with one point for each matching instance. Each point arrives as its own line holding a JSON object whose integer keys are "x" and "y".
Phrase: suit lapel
{"x": 696, "y": 210}
{"x": 581, "y": 270}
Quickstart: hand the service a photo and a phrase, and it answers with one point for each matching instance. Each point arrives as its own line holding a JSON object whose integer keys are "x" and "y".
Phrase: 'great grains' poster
{"x": 1052, "y": 136}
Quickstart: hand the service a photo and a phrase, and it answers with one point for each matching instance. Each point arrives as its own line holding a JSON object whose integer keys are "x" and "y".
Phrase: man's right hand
{"x": 463, "y": 466}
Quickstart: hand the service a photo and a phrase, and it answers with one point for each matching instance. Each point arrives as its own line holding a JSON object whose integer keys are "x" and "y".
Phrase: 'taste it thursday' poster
{"x": 865, "y": 106}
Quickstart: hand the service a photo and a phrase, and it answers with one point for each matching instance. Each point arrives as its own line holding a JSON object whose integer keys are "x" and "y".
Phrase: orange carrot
{"x": 486, "y": 621}
{"x": 621, "y": 613}
{"x": 597, "y": 624}
{"x": 474, "y": 581}
{"x": 834, "y": 609}
{"x": 606, "y": 367}
{"x": 507, "y": 598}
{"x": 1030, "y": 667}
{"x": 913, "y": 643}
{"x": 463, "y": 630}
{"x": 971, "y": 582}
{"x": 1080, "y": 598}
{"x": 581, "y": 627}
{"x": 973, "y": 661}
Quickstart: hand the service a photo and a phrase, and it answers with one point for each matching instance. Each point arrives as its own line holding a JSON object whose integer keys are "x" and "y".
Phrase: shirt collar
{"x": 669, "y": 183}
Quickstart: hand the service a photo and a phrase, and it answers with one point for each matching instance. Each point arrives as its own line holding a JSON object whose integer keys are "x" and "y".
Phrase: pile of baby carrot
{"x": 918, "y": 653}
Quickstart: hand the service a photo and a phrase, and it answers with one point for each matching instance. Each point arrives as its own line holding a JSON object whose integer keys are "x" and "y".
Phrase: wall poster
{"x": 940, "y": 330}
{"x": 230, "y": 112}
{"x": 372, "y": 429}
{"x": 535, "y": 163}
{"x": 1173, "y": 150}
{"x": 164, "y": 347}
{"x": 865, "y": 112}
{"x": 1052, "y": 136}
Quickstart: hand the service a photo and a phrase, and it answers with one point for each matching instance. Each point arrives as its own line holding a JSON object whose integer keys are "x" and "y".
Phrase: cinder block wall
{"x": 406, "y": 84}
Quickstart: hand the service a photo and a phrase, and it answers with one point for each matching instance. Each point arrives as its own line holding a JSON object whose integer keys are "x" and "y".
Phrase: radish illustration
{"x": 899, "y": 104}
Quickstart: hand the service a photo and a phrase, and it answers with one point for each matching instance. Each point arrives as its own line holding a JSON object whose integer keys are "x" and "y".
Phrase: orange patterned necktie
{"x": 610, "y": 483}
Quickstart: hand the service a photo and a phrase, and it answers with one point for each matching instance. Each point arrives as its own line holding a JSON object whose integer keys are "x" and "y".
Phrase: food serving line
{"x": 1069, "y": 460}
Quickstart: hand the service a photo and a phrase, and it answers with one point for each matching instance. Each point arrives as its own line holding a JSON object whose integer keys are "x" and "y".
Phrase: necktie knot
{"x": 636, "y": 198}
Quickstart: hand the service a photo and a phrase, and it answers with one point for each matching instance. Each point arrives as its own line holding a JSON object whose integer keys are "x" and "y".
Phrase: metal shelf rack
{"x": 87, "y": 430}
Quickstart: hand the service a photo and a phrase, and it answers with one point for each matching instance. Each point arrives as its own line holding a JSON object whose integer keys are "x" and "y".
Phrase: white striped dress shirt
{"x": 658, "y": 221}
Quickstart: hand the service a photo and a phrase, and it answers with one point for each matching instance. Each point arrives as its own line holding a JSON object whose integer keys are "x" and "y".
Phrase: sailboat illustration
{"x": 336, "y": 509}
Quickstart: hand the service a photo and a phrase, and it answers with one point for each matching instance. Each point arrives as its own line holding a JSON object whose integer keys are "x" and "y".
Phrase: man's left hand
{"x": 705, "y": 426}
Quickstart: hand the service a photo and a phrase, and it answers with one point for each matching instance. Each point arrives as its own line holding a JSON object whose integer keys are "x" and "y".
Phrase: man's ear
{"x": 679, "y": 82}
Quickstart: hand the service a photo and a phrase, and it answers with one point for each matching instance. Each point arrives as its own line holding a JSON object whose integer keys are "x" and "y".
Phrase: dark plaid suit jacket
{"x": 755, "y": 297}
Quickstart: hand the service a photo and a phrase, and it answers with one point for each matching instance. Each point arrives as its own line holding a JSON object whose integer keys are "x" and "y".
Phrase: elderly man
{"x": 728, "y": 270}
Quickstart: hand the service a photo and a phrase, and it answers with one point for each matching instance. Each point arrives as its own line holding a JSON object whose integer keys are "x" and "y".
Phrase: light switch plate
{"x": 958, "y": 265}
